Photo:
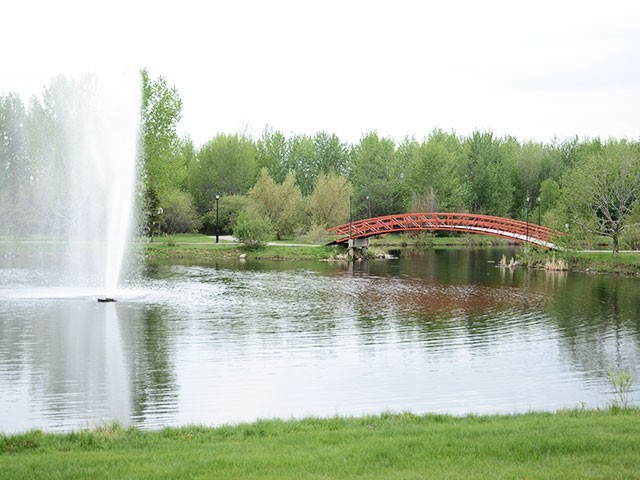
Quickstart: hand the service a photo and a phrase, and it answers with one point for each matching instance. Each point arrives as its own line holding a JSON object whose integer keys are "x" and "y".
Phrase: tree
{"x": 163, "y": 158}
{"x": 485, "y": 175}
{"x": 272, "y": 150}
{"x": 549, "y": 195}
{"x": 328, "y": 204}
{"x": 601, "y": 193}
{"x": 292, "y": 209}
{"x": 431, "y": 172}
{"x": 265, "y": 195}
{"x": 226, "y": 165}
{"x": 161, "y": 112}
{"x": 302, "y": 160}
{"x": 281, "y": 203}
{"x": 527, "y": 165}
{"x": 153, "y": 213}
{"x": 377, "y": 174}
{"x": 179, "y": 214}
{"x": 331, "y": 155}
{"x": 306, "y": 156}
{"x": 15, "y": 170}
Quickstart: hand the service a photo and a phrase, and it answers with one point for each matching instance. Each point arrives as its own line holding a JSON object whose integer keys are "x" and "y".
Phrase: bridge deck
{"x": 459, "y": 222}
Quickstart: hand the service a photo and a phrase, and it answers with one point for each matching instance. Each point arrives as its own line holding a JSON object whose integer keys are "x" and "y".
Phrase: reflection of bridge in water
{"x": 524, "y": 232}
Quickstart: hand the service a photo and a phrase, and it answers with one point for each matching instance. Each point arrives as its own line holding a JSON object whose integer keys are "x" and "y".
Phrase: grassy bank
{"x": 204, "y": 248}
{"x": 596, "y": 262}
{"x": 564, "y": 445}
{"x": 603, "y": 262}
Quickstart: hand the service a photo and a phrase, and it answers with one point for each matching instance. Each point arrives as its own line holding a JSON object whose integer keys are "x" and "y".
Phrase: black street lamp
{"x": 368, "y": 207}
{"x": 350, "y": 217}
{"x": 526, "y": 208}
{"x": 539, "y": 210}
{"x": 217, "y": 228}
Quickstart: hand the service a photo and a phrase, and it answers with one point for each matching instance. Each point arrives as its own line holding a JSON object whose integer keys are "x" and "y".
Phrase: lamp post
{"x": 217, "y": 229}
{"x": 539, "y": 210}
{"x": 368, "y": 207}
{"x": 350, "y": 216}
{"x": 155, "y": 224}
{"x": 526, "y": 208}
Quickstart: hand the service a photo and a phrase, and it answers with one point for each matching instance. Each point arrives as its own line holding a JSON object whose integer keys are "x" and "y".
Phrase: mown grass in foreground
{"x": 563, "y": 445}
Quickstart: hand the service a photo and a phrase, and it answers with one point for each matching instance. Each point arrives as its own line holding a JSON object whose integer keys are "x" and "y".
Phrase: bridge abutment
{"x": 358, "y": 248}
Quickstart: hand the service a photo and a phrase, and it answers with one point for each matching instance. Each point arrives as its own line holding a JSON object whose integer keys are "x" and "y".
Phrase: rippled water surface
{"x": 436, "y": 331}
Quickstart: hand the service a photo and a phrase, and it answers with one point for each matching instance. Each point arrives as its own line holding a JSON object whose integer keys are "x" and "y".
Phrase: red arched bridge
{"x": 517, "y": 230}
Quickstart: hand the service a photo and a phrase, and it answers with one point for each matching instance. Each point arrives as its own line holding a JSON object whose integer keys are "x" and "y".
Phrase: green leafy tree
{"x": 161, "y": 113}
{"x": 179, "y": 213}
{"x": 15, "y": 170}
{"x": 549, "y": 195}
{"x": 272, "y": 150}
{"x": 188, "y": 157}
{"x": 154, "y": 218}
{"x": 527, "y": 165}
{"x": 486, "y": 175}
{"x": 331, "y": 155}
{"x": 377, "y": 174}
{"x": 264, "y": 194}
{"x": 302, "y": 160}
{"x": 601, "y": 193}
{"x": 292, "y": 211}
{"x": 226, "y": 165}
{"x": 306, "y": 156}
{"x": 431, "y": 172}
{"x": 163, "y": 159}
{"x": 281, "y": 203}
{"x": 553, "y": 166}
{"x": 328, "y": 204}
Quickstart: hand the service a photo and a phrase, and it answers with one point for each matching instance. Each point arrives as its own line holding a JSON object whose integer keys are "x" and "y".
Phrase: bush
{"x": 631, "y": 238}
{"x": 179, "y": 213}
{"x": 317, "y": 234}
{"x": 252, "y": 229}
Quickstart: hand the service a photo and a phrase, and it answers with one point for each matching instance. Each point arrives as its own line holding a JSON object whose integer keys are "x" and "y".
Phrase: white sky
{"x": 533, "y": 69}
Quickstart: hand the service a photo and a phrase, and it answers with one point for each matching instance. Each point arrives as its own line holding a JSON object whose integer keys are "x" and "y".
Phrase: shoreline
{"x": 204, "y": 248}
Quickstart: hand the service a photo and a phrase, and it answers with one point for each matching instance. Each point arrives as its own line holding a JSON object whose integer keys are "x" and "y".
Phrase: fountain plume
{"x": 79, "y": 149}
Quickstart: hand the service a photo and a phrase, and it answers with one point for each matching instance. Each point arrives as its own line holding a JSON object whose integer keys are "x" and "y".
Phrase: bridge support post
{"x": 358, "y": 248}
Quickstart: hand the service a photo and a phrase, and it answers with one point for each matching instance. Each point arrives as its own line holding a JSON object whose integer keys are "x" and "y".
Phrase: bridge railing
{"x": 462, "y": 222}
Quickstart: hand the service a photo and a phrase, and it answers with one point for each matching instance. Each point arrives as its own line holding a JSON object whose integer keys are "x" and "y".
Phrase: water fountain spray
{"x": 81, "y": 151}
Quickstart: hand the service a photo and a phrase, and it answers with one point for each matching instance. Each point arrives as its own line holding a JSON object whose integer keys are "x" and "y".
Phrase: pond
{"x": 431, "y": 331}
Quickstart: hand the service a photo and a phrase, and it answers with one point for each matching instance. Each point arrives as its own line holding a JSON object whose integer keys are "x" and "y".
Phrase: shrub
{"x": 252, "y": 229}
{"x": 179, "y": 213}
{"x": 317, "y": 234}
{"x": 631, "y": 238}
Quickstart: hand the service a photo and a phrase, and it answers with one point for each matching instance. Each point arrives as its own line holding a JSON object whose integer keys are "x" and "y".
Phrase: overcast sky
{"x": 533, "y": 69}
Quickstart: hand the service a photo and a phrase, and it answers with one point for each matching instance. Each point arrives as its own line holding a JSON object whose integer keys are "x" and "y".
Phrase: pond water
{"x": 432, "y": 331}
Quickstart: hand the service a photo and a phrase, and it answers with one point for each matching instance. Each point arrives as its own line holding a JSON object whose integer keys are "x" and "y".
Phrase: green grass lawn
{"x": 203, "y": 247}
{"x": 625, "y": 263}
{"x": 563, "y": 445}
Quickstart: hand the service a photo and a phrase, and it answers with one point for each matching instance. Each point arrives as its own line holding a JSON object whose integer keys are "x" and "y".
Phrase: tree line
{"x": 297, "y": 185}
